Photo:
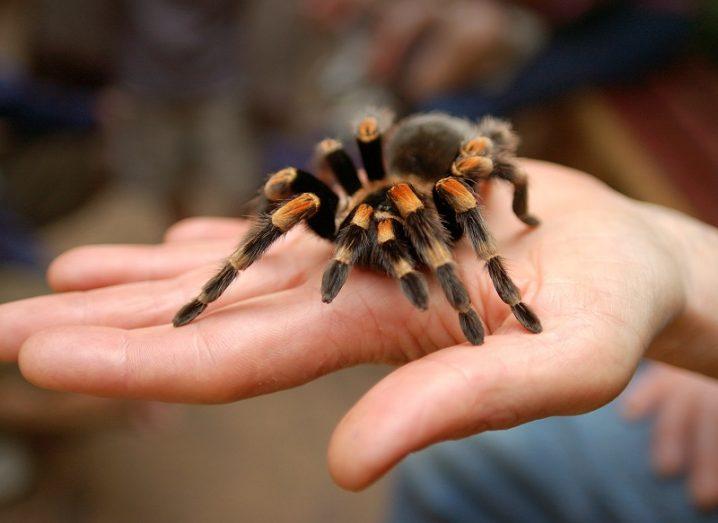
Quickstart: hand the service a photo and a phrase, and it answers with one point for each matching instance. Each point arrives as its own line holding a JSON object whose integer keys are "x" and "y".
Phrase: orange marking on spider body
{"x": 472, "y": 165}
{"x": 329, "y": 145}
{"x": 368, "y": 129}
{"x": 278, "y": 187}
{"x": 402, "y": 268}
{"x": 456, "y": 194}
{"x": 437, "y": 254}
{"x": 405, "y": 199}
{"x": 363, "y": 215}
{"x": 477, "y": 146}
{"x": 343, "y": 254}
{"x": 385, "y": 231}
{"x": 295, "y": 210}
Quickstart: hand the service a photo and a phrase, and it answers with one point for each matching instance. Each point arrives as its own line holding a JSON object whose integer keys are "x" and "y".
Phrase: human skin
{"x": 424, "y": 48}
{"x": 684, "y": 439}
{"x": 612, "y": 280}
{"x": 429, "y": 48}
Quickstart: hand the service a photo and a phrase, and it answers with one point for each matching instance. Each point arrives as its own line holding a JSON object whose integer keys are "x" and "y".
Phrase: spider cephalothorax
{"x": 406, "y": 213}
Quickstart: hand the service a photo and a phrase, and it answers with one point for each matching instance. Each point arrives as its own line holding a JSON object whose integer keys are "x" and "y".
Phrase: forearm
{"x": 691, "y": 340}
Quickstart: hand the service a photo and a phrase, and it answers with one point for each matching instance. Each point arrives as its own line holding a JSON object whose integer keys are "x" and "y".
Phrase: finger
{"x": 205, "y": 228}
{"x": 257, "y": 346}
{"x": 670, "y": 435}
{"x": 437, "y": 67}
{"x": 397, "y": 32}
{"x": 644, "y": 397}
{"x": 455, "y": 392}
{"x": 141, "y": 304}
{"x": 95, "y": 266}
{"x": 703, "y": 480}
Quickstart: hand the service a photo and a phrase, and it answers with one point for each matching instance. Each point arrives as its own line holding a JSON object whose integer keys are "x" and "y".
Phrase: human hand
{"x": 431, "y": 47}
{"x": 335, "y": 14}
{"x": 604, "y": 274}
{"x": 685, "y": 428}
{"x": 424, "y": 48}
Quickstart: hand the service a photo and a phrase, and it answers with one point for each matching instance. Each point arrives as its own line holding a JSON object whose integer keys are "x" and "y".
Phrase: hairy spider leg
{"x": 289, "y": 181}
{"x": 457, "y": 194}
{"x": 481, "y": 158}
{"x": 506, "y": 169}
{"x": 428, "y": 237}
{"x": 501, "y": 134}
{"x": 472, "y": 166}
{"x": 502, "y": 151}
{"x": 353, "y": 241}
{"x": 395, "y": 259}
{"x": 332, "y": 153}
{"x": 265, "y": 231}
{"x": 369, "y": 141}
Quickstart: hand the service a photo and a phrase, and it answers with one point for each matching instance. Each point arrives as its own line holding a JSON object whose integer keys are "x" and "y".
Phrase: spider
{"x": 406, "y": 214}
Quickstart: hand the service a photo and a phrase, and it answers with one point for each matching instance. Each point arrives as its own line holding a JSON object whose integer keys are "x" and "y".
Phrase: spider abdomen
{"x": 426, "y": 145}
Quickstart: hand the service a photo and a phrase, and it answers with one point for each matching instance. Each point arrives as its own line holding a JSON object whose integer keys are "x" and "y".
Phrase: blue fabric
{"x": 618, "y": 45}
{"x": 590, "y": 468}
{"x": 34, "y": 108}
{"x": 17, "y": 245}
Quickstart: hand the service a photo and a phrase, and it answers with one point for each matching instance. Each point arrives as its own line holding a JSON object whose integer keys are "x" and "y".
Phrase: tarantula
{"x": 406, "y": 213}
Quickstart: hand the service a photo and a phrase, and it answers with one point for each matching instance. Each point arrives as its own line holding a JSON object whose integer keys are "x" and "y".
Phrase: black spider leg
{"x": 369, "y": 141}
{"x": 394, "y": 257}
{"x": 428, "y": 237}
{"x": 353, "y": 244}
{"x": 458, "y": 195}
{"x": 498, "y": 142}
{"x": 290, "y": 181}
{"x": 332, "y": 153}
{"x": 505, "y": 168}
{"x": 500, "y": 132}
{"x": 267, "y": 229}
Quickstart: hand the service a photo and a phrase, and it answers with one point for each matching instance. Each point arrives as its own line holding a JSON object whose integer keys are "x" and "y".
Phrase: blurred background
{"x": 118, "y": 117}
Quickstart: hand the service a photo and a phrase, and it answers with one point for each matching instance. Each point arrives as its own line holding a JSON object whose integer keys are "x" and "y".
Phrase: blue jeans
{"x": 590, "y": 468}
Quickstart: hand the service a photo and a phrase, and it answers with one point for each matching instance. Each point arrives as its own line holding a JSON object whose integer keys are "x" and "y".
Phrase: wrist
{"x": 690, "y": 340}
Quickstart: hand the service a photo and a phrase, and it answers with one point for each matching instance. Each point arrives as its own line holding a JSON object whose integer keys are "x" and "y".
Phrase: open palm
{"x": 597, "y": 273}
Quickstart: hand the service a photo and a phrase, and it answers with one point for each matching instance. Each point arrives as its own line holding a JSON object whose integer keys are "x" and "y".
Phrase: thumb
{"x": 456, "y": 392}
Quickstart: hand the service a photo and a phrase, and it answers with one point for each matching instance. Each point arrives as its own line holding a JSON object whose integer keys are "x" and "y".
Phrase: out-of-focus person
{"x": 474, "y": 57}
{"x": 177, "y": 118}
{"x": 46, "y": 123}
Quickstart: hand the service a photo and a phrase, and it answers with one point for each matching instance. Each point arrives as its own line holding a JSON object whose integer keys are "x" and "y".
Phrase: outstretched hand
{"x": 602, "y": 272}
